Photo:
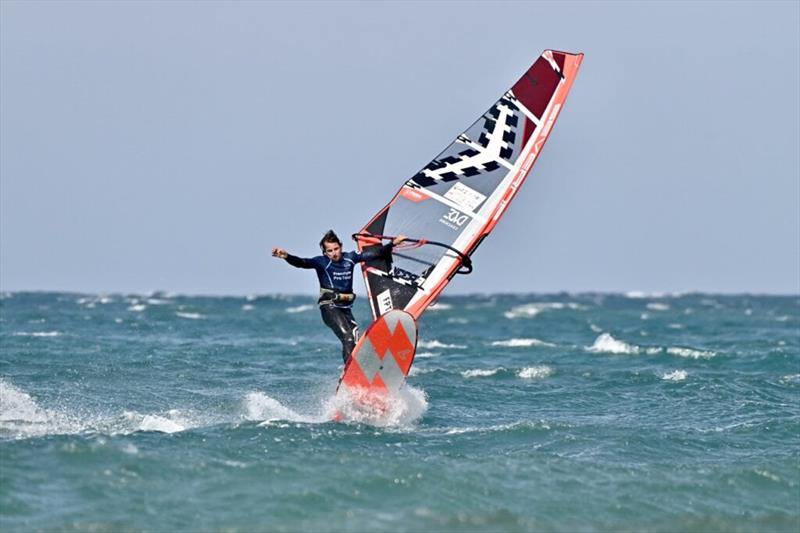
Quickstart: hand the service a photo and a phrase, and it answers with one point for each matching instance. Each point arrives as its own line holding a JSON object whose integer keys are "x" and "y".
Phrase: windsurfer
{"x": 335, "y": 272}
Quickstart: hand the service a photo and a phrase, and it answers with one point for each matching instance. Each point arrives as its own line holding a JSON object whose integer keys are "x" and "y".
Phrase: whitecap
{"x": 790, "y": 378}
{"x": 247, "y": 307}
{"x": 160, "y": 424}
{"x": 300, "y": 308}
{"x": 521, "y": 343}
{"x": 533, "y": 309}
{"x": 658, "y": 306}
{"x": 481, "y": 372}
{"x": 138, "y": 308}
{"x": 417, "y": 371}
{"x": 190, "y": 316}
{"x": 22, "y": 417}
{"x": 262, "y": 407}
{"x": 423, "y": 355}
{"x": 605, "y": 343}
{"x": 440, "y": 307}
{"x": 37, "y": 334}
{"x": 457, "y": 320}
{"x": 436, "y": 344}
{"x": 677, "y": 375}
{"x": 535, "y": 372}
{"x": 690, "y": 352}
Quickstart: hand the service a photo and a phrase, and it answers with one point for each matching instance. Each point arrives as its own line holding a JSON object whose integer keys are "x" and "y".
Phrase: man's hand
{"x": 280, "y": 253}
{"x": 397, "y": 240}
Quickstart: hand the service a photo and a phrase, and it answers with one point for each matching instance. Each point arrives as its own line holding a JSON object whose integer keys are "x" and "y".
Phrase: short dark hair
{"x": 330, "y": 236}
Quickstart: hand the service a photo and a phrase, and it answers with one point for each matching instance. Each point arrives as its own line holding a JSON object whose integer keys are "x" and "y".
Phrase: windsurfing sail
{"x": 455, "y": 201}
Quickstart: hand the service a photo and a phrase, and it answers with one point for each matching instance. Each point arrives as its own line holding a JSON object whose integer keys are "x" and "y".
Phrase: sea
{"x": 522, "y": 412}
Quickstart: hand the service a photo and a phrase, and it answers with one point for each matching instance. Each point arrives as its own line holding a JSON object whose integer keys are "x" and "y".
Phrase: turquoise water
{"x": 524, "y": 412}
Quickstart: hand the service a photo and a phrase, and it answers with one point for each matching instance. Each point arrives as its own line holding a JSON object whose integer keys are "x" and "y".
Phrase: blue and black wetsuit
{"x": 336, "y": 281}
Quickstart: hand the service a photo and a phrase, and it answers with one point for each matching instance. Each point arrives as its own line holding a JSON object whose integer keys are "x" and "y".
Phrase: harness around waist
{"x": 330, "y": 296}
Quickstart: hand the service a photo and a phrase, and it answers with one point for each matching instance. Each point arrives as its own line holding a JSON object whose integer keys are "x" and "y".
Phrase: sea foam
{"x": 535, "y": 372}
{"x": 521, "y": 343}
{"x": 605, "y": 343}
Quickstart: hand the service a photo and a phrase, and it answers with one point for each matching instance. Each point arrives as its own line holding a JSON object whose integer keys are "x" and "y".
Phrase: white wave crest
{"x": 521, "y": 343}
{"x": 535, "y": 372}
{"x": 639, "y": 295}
{"x": 481, "y": 372}
{"x": 21, "y": 417}
{"x": 300, "y": 308}
{"x": 677, "y": 375}
{"x": 424, "y": 355}
{"x": 531, "y": 310}
{"x": 605, "y": 343}
{"x": 658, "y": 306}
{"x": 691, "y": 353}
{"x": 247, "y": 307}
{"x": 160, "y": 424}
{"x": 37, "y": 334}
{"x": 190, "y": 316}
{"x": 137, "y": 308}
{"x": 439, "y": 307}
{"x": 436, "y": 344}
{"x": 260, "y": 406}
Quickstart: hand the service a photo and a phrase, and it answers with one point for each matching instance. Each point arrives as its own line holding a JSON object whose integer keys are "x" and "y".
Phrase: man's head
{"x": 331, "y": 246}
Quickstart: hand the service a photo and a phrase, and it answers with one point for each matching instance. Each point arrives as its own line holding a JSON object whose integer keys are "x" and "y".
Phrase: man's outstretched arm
{"x": 298, "y": 262}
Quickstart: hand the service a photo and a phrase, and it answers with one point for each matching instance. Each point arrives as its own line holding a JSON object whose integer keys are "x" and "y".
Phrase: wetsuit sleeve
{"x": 299, "y": 262}
{"x": 374, "y": 253}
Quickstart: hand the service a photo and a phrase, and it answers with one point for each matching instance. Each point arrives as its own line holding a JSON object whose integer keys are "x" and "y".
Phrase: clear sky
{"x": 169, "y": 145}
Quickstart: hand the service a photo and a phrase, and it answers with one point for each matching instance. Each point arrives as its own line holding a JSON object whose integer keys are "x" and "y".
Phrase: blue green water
{"x": 523, "y": 413}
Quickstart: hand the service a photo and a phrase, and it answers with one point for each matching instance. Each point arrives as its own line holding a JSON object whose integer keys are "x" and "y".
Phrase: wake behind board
{"x": 378, "y": 365}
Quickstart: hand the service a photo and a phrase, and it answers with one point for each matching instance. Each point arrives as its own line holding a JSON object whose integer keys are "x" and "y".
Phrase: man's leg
{"x": 342, "y": 323}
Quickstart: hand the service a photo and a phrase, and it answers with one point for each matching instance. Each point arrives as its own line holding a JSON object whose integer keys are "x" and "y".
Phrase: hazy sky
{"x": 169, "y": 145}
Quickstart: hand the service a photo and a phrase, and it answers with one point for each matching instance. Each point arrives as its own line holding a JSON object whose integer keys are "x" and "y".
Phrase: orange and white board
{"x": 380, "y": 362}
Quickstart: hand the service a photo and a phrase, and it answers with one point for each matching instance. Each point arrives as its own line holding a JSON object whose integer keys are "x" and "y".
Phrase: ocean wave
{"x": 531, "y": 310}
{"x": 247, "y": 307}
{"x": 190, "y": 316}
{"x": 436, "y": 344}
{"x": 521, "y": 343}
{"x": 658, "y": 306}
{"x": 417, "y": 371}
{"x": 264, "y": 408}
{"x": 690, "y": 352}
{"x": 677, "y": 375}
{"x": 523, "y": 424}
{"x": 535, "y": 372}
{"x": 439, "y": 306}
{"x": 641, "y": 295}
{"x": 481, "y": 372}
{"x": 137, "y": 308}
{"x": 605, "y": 343}
{"x": 790, "y": 378}
{"x": 37, "y": 334}
{"x": 300, "y": 308}
{"x": 160, "y": 424}
{"x": 424, "y": 355}
{"x": 158, "y": 301}
{"x": 22, "y": 417}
